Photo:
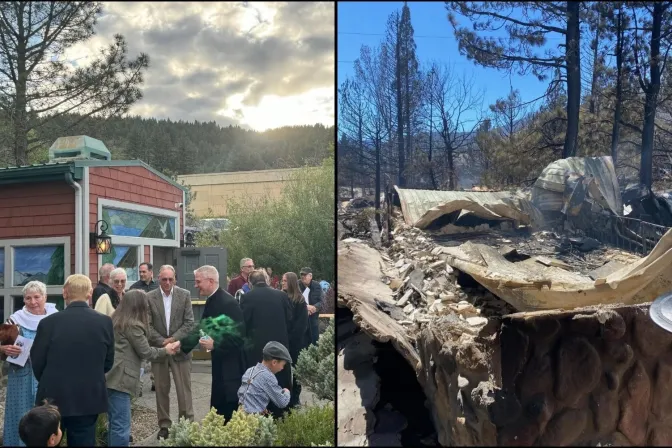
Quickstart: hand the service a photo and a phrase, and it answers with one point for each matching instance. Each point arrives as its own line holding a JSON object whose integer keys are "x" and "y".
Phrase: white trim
{"x": 8, "y": 245}
{"x": 86, "y": 225}
{"x": 134, "y": 240}
{"x": 151, "y": 254}
{"x": 184, "y": 211}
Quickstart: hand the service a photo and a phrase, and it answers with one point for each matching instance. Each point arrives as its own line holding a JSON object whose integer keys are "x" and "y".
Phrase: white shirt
{"x": 167, "y": 301}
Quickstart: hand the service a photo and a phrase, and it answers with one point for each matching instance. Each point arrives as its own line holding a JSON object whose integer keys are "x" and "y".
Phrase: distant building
{"x": 215, "y": 190}
{"x": 49, "y": 210}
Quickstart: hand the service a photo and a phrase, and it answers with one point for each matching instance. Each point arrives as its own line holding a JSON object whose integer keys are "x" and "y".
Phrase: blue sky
{"x": 429, "y": 19}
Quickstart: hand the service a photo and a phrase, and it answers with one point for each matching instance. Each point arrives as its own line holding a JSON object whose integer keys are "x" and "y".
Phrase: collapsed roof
{"x": 565, "y": 184}
{"x": 422, "y": 207}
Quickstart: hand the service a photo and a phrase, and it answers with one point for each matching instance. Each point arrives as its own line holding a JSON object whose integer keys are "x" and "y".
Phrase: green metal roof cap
{"x": 79, "y": 146}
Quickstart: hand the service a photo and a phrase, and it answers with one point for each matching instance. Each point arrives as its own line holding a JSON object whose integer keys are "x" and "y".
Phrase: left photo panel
{"x": 167, "y": 223}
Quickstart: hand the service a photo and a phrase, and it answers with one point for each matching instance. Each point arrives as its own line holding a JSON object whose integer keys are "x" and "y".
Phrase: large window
{"x": 138, "y": 224}
{"x": 23, "y": 260}
{"x": 43, "y": 263}
{"x": 124, "y": 257}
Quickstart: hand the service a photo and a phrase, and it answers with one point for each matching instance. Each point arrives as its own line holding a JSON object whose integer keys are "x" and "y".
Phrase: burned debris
{"x": 489, "y": 297}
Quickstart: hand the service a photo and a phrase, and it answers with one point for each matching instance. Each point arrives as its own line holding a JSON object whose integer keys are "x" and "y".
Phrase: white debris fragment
{"x": 408, "y": 309}
{"x": 477, "y": 321}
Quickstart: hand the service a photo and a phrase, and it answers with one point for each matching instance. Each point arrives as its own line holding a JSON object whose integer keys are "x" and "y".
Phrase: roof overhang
{"x": 39, "y": 173}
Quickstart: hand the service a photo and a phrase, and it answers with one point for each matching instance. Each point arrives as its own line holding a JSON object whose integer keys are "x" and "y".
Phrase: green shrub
{"x": 101, "y": 430}
{"x": 316, "y": 364}
{"x": 307, "y": 426}
{"x": 243, "y": 430}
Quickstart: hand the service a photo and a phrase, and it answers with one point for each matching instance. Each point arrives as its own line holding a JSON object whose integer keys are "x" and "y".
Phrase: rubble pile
{"x": 425, "y": 285}
{"x": 355, "y": 218}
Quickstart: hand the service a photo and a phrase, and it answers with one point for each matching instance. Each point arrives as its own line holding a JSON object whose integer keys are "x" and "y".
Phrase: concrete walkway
{"x": 201, "y": 379}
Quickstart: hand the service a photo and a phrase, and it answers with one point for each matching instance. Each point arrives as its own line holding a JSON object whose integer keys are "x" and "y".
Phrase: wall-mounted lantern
{"x": 101, "y": 242}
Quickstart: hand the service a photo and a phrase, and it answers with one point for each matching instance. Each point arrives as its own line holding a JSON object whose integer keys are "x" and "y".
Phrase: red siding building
{"x": 48, "y": 211}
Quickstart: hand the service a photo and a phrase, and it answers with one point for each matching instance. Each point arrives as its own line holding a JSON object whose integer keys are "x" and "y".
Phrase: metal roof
{"x": 421, "y": 207}
{"x": 50, "y": 171}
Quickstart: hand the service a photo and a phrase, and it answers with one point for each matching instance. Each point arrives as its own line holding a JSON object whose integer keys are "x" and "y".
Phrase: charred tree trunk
{"x": 619, "y": 90}
{"x": 400, "y": 113}
{"x": 573, "y": 62}
{"x": 593, "y": 84}
{"x": 376, "y": 201}
{"x": 648, "y": 129}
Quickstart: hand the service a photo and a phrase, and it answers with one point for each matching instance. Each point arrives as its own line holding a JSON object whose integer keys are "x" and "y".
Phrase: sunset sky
{"x": 257, "y": 65}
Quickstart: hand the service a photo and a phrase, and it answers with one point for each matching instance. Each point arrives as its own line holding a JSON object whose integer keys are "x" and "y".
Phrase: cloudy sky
{"x": 258, "y": 65}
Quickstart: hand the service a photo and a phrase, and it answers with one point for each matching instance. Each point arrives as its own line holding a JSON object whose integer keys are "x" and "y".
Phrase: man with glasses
{"x": 171, "y": 318}
{"x": 246, "y": 267}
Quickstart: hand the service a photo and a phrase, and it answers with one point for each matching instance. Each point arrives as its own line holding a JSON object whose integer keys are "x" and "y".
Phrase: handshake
{"x": 171, "y": 345}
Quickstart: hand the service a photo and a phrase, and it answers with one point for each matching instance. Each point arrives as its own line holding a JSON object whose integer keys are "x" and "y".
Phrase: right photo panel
{"x": 504, "y": 201}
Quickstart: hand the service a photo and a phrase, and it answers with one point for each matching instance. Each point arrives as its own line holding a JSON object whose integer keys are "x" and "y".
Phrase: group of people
{"x": 88, "y": 359}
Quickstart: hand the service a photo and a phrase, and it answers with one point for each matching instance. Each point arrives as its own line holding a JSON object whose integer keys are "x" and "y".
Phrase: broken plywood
{"x": 532, "y": 286}
{"x": 360, "y": 269}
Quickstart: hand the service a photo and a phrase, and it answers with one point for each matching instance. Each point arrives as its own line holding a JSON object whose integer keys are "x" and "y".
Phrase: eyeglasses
{"x": 252, "y": 267}
{"x": 119, "y": 282}
{"x": 167, "y": 279}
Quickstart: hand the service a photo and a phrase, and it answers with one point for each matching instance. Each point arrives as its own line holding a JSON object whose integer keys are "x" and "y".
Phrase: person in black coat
{"x": 268, "y": 316}
{"x": 228, "y": 354}
{"x": 299, "y": 334}
{"x": 103, "y": 286}
{"x": 72, "y": 352}
{"x": 314, "y": 302}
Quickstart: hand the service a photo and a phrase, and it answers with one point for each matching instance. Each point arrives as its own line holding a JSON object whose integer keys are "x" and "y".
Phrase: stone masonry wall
{"x": 553, "y": 378}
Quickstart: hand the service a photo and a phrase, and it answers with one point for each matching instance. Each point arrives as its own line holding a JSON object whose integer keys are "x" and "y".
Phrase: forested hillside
{"x": 177, "y": 147}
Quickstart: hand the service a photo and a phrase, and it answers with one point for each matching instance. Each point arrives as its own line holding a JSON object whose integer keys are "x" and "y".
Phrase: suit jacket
{"x": 268, "y": 316}
{"x": 71, "y": 353}
{"x": 181, "y": 319}
{"x": 228, "y": 354}
{"x": 130, "y": 348}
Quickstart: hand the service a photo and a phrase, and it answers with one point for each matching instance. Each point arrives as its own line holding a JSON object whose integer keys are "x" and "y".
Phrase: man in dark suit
{"x": 268, "y": 314}
{"x": 72, "y": 352}
{"x": 228, "y": 353}
{"x": 103, "y": 286}
{"x": 314, "y": 302}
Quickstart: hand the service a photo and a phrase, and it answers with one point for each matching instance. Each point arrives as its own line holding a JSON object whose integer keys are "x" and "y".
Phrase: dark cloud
{"x": 204, "y": 54}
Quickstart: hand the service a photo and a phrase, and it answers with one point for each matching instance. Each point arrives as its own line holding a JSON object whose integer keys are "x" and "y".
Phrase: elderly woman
{"x": 21, "y": 383}
{"x": 105, "y": 304}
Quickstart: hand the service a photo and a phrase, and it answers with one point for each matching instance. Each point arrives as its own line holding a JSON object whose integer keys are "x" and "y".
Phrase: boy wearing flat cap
{"x": 259, "y": 384}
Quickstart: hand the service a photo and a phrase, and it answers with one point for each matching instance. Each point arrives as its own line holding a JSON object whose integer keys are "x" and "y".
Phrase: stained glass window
{"x": 43, "y": 263}
{"x": 124, "y": 257}
{"x": 138, "y": 224}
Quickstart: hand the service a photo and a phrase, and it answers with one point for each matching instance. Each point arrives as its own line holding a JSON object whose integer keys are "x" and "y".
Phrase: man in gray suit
{"x": 171, "y": 318}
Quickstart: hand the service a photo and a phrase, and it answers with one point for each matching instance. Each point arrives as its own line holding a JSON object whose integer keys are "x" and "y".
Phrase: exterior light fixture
{"x": 101, "y": 242}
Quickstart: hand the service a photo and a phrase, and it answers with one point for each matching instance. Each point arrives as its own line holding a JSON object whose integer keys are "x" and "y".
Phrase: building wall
{"x": 133, "y": 184}
{"x": 214, "y": 190}
{"x": 38, "y": 210}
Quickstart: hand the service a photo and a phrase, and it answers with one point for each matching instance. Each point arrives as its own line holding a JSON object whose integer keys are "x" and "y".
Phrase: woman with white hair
{"x": 21, "y": 383}
{"x": 106, "y": 304}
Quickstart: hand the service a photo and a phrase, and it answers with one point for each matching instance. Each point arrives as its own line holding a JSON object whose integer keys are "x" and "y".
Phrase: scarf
{"x": 29, "y": 321}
